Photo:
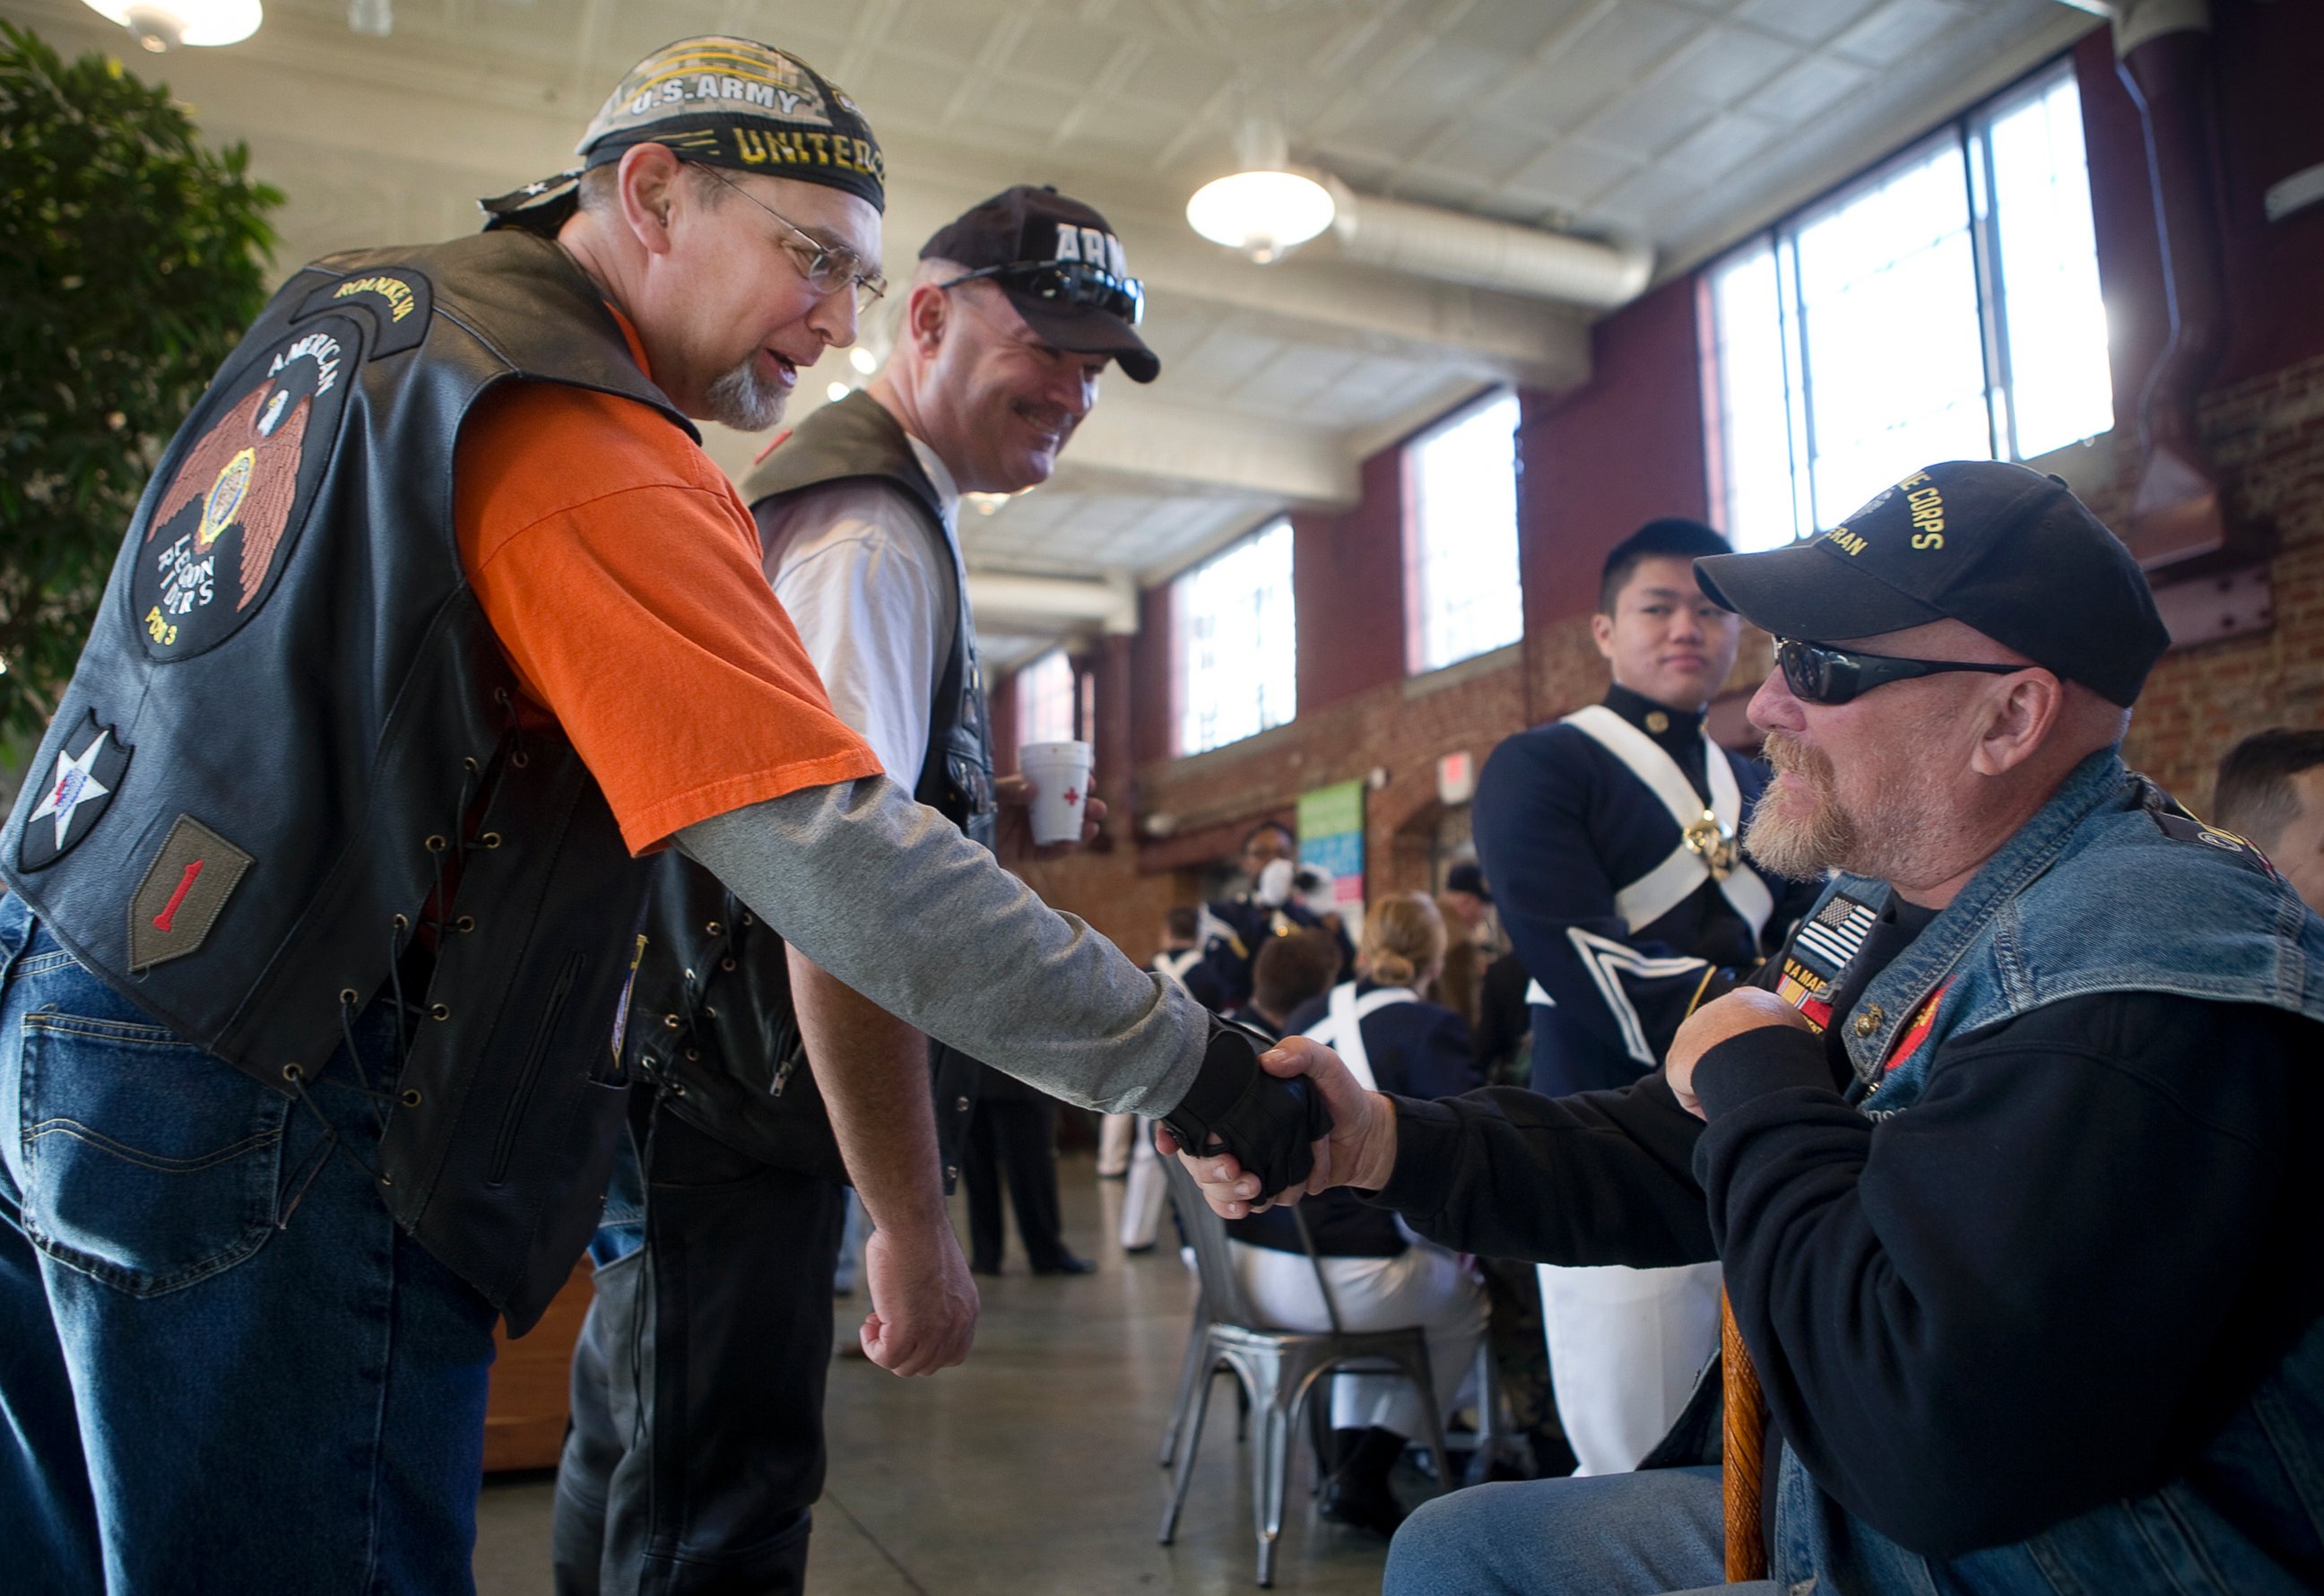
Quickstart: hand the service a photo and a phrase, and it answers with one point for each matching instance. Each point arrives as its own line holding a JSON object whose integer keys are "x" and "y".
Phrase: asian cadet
{"x": 1610, "y": 839}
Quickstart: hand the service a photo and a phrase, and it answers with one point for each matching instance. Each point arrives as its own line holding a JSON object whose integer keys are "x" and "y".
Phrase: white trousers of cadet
{"x": 1115, "y": 1133}
{"x": 1142, "y": 1200}
{"x": 1625, "y": 1347}
{"x": 1423, "y": 1286}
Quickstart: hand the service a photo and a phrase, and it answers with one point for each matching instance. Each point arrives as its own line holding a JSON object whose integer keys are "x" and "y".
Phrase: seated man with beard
{"x": 2005, "y": 1156}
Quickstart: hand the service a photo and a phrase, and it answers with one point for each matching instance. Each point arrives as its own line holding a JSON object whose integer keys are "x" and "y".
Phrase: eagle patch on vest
{"x": 229, "y": 517}
{"x": 90, "y": 768}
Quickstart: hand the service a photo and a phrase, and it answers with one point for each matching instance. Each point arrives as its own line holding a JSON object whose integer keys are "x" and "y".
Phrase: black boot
{"x": 1357, "y": 1492}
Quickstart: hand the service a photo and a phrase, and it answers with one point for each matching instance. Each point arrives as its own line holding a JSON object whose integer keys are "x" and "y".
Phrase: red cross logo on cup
{"x": 1072, "y": 797}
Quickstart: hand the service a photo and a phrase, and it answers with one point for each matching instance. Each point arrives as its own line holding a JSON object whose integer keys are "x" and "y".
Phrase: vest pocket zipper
{"x": 504, "y": 1143}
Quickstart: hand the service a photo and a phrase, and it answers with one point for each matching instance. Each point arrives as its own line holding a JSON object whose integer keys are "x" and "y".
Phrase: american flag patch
{"x": 1835, "y": 932}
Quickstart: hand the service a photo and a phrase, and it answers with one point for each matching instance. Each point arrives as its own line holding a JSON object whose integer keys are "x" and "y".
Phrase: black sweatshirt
{"x": 2040, "y": 1289}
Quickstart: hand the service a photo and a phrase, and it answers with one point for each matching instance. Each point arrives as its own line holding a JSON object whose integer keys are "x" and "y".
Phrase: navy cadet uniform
{"x": 1610, "y": 839}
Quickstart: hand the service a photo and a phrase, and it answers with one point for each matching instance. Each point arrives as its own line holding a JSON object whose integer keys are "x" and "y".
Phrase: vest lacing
{"x": 447, "y": 857}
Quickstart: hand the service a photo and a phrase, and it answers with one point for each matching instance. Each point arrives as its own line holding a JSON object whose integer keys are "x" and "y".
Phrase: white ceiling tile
{"x": 1724, "y": 65}
{"x": 1647, "y": 124}
{"x": 1897, "y": 28}
{"x": 1811, "y": 22}
{"x": 1810, "y": 88}
{"x": 1574, "y": 169}
{"x": 1602, "y": 63}
{"x": 1719, "y": 146}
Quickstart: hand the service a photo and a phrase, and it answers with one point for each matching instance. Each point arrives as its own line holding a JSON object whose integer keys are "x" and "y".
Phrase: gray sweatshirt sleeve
{"x": 890, "y": 897}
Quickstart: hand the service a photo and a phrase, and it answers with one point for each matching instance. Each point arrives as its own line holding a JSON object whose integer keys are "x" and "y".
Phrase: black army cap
{"x": 1062, "y": 268}
{"x": 1994, "y": 546}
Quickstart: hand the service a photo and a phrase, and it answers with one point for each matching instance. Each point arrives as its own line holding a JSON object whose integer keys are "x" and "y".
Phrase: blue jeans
{"x": 222, "y": 1366}
{"x": 1653, "y": 1534}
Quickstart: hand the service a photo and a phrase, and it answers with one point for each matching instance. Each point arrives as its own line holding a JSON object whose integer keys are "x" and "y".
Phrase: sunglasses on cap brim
{"x": 1068, "y": 282}
{"x": 1818, "y": 673}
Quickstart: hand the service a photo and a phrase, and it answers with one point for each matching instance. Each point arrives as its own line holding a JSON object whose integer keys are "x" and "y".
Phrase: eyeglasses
{"x": 827, "y": 267}
{"x": 1072, "y": 282}
{"x": 1818, "y": 673}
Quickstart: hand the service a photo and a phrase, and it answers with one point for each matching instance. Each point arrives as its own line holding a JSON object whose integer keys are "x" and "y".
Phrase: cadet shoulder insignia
{"x": 184, "y": 891}
{"x": 230, "y": 514}
{"x": 90, "y": 767}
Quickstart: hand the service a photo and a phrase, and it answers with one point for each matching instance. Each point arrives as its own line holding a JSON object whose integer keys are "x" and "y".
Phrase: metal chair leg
{"x": 1271, "y": 1466}
{"x": 1189, "y": 1444}
{"x": 1198, "y": 1339}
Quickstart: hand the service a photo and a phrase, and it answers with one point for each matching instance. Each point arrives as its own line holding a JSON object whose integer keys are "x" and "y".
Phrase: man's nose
{"x": 833, "y": 320}
{"x": 1773, "y": 708}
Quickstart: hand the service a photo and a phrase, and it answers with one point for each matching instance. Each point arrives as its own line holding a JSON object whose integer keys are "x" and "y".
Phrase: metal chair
{"x": 1278, "y": 1369}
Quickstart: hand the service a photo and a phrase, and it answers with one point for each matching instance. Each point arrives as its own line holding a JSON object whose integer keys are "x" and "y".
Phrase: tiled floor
{"x": 1029, "y": 1470}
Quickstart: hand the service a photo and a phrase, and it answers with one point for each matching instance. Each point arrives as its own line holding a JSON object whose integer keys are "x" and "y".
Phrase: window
{"x": 1945, "y": 307}
{"x": 1045, "y": 700}
{"x": 1237, "y": 644}
{"x": 1461, "y": 543}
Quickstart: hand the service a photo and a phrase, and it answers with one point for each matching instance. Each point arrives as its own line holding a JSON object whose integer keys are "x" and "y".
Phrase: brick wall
{"x": 2267, "y": 439}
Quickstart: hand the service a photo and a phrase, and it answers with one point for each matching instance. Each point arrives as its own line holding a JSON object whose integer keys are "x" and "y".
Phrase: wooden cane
{"x": 1743, "y": 1450}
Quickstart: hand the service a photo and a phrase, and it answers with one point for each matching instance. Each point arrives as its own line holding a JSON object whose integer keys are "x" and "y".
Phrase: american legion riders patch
{"x": 236, "y": 498}
{"x": 90, "y": 768}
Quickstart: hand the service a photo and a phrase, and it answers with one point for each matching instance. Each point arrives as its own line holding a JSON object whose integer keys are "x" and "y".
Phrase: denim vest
{"x": 2094, "y": 895}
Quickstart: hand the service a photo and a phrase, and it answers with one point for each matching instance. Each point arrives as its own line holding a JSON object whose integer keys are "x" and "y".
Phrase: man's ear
{"x": 1601, "y": 632}
{"x": 2020, "y": 711}
{"x": 926, "y": 314}
{"x": 650, "y": 186}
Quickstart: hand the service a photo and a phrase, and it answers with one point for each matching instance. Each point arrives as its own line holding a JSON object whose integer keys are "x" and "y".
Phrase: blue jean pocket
{"x": 149, "y": 1164}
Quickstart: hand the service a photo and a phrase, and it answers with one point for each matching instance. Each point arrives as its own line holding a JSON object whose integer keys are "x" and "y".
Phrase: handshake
{"x": 1267, "y": 1125}
{"x": 1259, "y": 1128}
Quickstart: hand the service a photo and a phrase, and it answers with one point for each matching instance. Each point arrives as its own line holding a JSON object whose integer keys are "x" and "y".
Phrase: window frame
{"x": 1181, "y": 626}
{"x": 1970, "y": 134}
{"x": 1416, "y": 662}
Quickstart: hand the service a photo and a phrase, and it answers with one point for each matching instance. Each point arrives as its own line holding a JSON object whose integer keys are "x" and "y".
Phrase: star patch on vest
{"x": 230, "y": 514}
{"x": 90, "y": 768}
{"x": 184, "y": 889}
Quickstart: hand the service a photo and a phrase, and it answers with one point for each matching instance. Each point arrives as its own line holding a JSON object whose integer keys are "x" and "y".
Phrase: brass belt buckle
{"x": 1714, "y": 843}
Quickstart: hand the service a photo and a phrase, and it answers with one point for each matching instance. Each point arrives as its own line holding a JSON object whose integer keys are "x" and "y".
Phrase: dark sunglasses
{"x": 1068, "y": 282}
{"x": 1818, "y": 673}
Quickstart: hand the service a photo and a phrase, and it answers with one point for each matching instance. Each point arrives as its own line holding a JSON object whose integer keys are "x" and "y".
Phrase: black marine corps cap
{"x": 1997, "y": 547}
{"x": 717, "y": 100}
{"x": 1062, "y": 268}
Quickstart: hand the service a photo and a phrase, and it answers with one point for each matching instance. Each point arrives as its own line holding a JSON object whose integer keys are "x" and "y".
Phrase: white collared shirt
{"x": 853, "y": 569}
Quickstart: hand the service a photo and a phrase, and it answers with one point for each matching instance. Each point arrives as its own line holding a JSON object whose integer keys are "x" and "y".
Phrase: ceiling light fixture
{"x": 837, "y": 392}
{"x": 1266, "y": 209}
{"x": 864, "y": 360}
{"x": 164, "y": 24}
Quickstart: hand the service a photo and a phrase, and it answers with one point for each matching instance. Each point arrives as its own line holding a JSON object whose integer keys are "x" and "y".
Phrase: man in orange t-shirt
{"x": 238, "y": 1359}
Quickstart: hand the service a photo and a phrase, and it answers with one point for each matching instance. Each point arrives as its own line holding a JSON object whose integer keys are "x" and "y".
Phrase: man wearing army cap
{"x": 323, "y": 923}
{"x": 2005, "y": 1157}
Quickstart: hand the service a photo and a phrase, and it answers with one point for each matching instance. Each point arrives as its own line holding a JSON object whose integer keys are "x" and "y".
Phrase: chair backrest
{"x": 1222, "y": 1293}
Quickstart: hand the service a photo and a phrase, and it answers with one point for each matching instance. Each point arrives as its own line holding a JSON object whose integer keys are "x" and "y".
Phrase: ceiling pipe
{"x": 1006, "y": 603}
{"x": 1454, "y": 246}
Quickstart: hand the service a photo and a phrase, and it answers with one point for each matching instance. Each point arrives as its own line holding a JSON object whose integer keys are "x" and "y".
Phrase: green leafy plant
{"x": 131, "y": 260}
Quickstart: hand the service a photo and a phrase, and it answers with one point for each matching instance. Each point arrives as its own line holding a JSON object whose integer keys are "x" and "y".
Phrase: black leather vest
{"x": 311, "y": 771}
{"x": 716, "y": 1031}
